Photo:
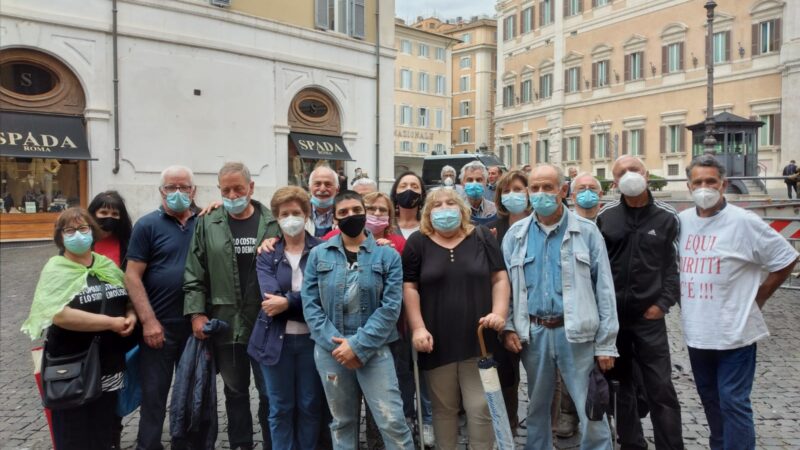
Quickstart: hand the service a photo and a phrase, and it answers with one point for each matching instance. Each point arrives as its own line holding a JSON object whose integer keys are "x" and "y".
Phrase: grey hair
{"x": 445, "y": 169}
{"x": 705, "y": 160}
{"x": 177, "y": 169}
{"x": 473, "y": 165}
{"x": 584, "y": 175}
{"x": 365, "y": 181}
{"x": 235, "y": 167}
{"x": 559, "y": 172}
{"x": 322, "y": 168}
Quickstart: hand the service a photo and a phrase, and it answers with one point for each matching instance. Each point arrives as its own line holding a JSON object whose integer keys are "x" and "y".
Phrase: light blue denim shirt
{"x": 543, "y": 269}
{"x": 380, "y": 280}
{"x": 590, "y": 311}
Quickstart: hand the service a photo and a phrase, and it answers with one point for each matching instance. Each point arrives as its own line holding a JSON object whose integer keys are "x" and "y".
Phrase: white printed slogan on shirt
{"x": 244, "y": 245}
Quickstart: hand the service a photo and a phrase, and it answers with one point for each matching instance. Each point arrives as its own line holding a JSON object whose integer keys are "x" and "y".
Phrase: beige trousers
{"x": 448, "y": 386}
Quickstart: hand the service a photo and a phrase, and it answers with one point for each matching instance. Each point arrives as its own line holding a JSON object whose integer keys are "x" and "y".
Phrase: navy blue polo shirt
{"x": 162, "y": 242}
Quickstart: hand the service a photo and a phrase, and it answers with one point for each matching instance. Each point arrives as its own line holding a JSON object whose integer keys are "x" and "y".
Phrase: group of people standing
{"x": 326, "y": 291}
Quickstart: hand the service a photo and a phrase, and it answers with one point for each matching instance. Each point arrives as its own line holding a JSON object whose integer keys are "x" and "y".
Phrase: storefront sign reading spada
{"x": 35, "y": 142}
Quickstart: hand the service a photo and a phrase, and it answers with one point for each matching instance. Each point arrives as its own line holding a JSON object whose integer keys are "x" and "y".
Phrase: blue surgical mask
{"x": 321, "y": 203}
{"x": 515, "y": 202}
{"x": 474, "y": 190}
{"x": 447, "y": 219}
{"x": 79, "y": 243}
{"x": 235, "y": 206}
{"x": 545, "y": 204}
{"x": 587, "y": 199}
{"x": 178, "y": 201}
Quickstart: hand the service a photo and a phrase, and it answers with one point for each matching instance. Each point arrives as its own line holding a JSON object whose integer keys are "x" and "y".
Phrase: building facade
{"x": 474, "y": 80}
{"x": 584, "y": 81}
{"x": 280, "y": 89}
{"x": 422, "y": 96}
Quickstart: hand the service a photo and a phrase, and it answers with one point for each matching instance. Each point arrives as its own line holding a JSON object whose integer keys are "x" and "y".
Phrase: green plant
{"x": 657, "y": 183}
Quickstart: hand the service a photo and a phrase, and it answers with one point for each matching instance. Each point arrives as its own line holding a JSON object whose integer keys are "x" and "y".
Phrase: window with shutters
{"x": 635, "y": 142}
{"x": 525, "y": 153}
{"x": 573, "y": 77}
{"x": 674, "y": 57}
{"x": 464, "y": 135}
{"x": 440, "y": 54}
{"x": 405, "y": 115}
{"x": 546, "y": 86}
{"x": 422, "y": 147}
{"x": 600, "y": 146}
{"x": 573, "y": 7}
{"x": 542, "y": 149}
{"x": 405, "y": 146}
{"x": 441, "y": 84}
{"x": 526, "y": 20}
{"x": 463, "y": 108}
{"x": 722, "y": 47}
{"x": 343, "y": 16}
{"x": 546, "y": 12}
{"x": 465, "y": 62}
{"x": 439, "y": 149}
{"x": 767, "y": 37}
{"x": 508, "y": 27}
{"x": 508, "y": 96}
{"x": 600, "y": 73}
{"x": 466, "y": 37}
{"x": 526, "y": 91}
{"x": 463, "y": 83}
{"x": 766, "y": 134}
{"x": 423, "y": 50}
{"x": 634, "y": 66}
{"x": 422, "y": 119}
{"x": 405, "y": 46}
{"x": 405, "y": 79}
{"x": 438, "y": 118}
{"x": 674, "y": 140}
{"x": 573, "y": 148}
{"x": 424, "y": 82}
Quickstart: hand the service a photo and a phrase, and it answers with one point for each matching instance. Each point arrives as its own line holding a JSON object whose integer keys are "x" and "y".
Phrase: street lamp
{"x": 709, "y": 142}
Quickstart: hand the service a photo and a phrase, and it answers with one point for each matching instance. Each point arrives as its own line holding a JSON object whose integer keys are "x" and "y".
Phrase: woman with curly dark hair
{"x": 408, "y": 196}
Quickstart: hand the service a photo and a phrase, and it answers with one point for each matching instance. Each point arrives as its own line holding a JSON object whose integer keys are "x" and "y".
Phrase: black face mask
{"x": 408, "y": 199}
{"x": 353, "y": 225}
{"x": 108, "y": 224}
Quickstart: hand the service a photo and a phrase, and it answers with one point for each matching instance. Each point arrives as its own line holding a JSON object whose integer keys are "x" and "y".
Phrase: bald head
{"x": 627, "y": 163}
{"x": 547, "y": 170}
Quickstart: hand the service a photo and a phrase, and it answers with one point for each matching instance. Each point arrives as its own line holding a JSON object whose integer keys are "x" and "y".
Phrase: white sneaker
{"x": 428, "y": 438}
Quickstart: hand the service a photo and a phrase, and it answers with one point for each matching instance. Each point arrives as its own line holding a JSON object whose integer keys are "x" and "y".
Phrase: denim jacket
{"x": 275, "y": 277}
{"x": 380, "y": 279}
{"x": 590, "y": 312}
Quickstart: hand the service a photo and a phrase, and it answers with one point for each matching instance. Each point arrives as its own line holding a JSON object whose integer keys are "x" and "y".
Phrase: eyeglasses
{"x": 69, "y": 231}
{"x": 378, "y": 209}
{"x": 170, "y": 188}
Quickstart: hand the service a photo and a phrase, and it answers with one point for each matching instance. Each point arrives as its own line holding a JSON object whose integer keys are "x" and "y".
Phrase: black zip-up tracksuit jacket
{"x": 642, "y": 247}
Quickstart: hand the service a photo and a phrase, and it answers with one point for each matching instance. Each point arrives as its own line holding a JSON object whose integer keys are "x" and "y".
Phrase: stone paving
{"x": 776, "y": 394}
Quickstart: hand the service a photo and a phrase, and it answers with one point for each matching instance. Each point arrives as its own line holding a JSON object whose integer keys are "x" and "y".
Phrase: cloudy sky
{"x": 444, "y": 9}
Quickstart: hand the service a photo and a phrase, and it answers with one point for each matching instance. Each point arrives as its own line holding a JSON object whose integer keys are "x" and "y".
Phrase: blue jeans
{"x": 155, "y": 372}
{"x": 724, "y": 380}
{"x": 547, "y": 350}
{"x": 294, "y": 390}
{"x": 378, "y": 382}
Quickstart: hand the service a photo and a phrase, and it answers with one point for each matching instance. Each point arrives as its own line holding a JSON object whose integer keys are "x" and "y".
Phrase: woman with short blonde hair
{"x": 454, "y": 279}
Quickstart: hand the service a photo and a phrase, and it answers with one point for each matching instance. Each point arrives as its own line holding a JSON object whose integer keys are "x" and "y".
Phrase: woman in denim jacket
{"x": 352, "y": 292}
{"x": 280, "y": 341}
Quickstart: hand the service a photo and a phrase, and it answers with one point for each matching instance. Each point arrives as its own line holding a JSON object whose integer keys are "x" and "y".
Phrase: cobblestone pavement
{"x": 776, "y": 395}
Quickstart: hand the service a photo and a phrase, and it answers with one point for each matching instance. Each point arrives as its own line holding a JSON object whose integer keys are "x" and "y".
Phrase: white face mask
{"x": 705, "y": 198}
{"x": 632, "y": 184}
{"x": 292, "y": 225}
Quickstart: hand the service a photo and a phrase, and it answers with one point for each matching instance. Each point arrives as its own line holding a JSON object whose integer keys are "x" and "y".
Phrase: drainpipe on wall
{"x": 116, "y": 86}
{"x": 377, "y": 91}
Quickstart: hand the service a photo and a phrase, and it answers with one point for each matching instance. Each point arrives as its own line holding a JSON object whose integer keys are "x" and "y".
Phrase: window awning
{"x": 317, "y": 146}
{"x": 25, "y": 135}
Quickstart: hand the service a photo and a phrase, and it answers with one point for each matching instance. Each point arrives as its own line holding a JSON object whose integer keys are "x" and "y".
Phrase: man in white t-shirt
{"x": 723, "y": 251}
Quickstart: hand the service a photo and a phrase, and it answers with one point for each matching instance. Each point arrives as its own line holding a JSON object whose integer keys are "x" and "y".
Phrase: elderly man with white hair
{"x": 586, "y": 192}
{"x": 323, "y": 183}
{"x": 154, "y": 279}
{"x": 364, "y": 186}
{"x": 473, "y": 177}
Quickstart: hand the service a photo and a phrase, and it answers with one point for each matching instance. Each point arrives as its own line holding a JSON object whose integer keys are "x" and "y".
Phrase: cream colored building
{"x": 422, "y": 96}
{"x": 582, "y": 81}
{"x": 474, "y": 77}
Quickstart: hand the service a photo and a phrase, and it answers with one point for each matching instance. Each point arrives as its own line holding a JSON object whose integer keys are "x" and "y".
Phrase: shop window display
{"x": 36, "y": 185}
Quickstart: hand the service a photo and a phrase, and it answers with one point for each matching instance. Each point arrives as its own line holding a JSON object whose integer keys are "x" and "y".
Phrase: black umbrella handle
{"x": 484, "y": 354}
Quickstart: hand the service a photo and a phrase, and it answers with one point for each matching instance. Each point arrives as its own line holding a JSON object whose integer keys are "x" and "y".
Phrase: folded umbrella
{"x": 487, "y": 368}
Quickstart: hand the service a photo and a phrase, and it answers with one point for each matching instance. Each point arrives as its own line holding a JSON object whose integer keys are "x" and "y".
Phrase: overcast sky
{"x": 444, "y": 9}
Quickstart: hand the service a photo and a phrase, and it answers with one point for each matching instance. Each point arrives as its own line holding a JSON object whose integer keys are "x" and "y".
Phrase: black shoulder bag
{"x": 71, "y": 381}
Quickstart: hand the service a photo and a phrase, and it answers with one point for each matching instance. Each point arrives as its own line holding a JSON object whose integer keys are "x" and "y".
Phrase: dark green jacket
{"x": 211, "y": 279}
